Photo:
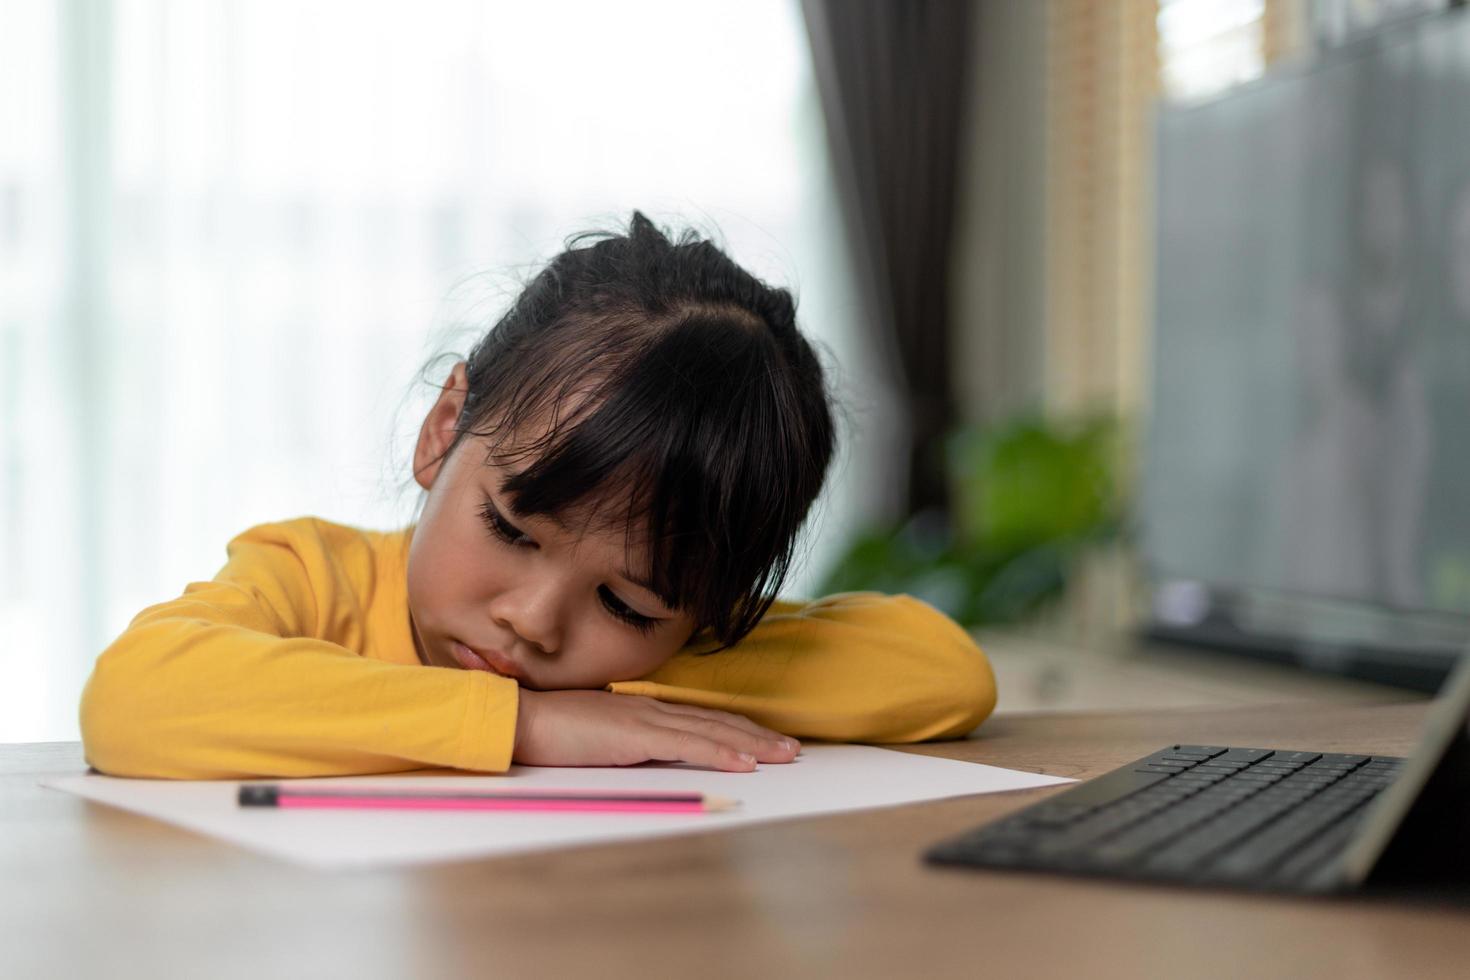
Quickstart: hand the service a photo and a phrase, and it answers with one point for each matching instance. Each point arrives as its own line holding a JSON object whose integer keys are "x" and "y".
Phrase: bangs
{"x": 671, "y": 433}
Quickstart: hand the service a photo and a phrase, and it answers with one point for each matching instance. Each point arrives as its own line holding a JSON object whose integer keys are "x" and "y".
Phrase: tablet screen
{"x": 1445, "y": 725}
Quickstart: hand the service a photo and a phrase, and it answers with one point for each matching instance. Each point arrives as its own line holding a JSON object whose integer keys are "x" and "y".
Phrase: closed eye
{"x": 621, "y": 610}
{"x": 497, "y": 525}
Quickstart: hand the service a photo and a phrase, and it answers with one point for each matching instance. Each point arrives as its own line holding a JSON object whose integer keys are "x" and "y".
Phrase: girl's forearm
{"x": 185, "y": 699}
{"x": 858, "y": 667}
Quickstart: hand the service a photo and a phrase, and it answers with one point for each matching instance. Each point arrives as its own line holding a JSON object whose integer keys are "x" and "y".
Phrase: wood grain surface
{"x": 86, "y": 890}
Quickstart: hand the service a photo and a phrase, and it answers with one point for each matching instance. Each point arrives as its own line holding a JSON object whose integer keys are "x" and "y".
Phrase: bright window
{"x": 231, "y": 233}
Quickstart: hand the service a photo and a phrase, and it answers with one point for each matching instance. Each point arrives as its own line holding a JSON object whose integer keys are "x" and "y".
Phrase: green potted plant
{"x": 1030, "y": 498}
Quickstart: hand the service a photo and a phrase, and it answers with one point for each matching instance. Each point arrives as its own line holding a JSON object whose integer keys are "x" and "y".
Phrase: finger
{"x": 763, "y": 748}
{"x": 764, "y": 744}
{"x": 675, "y": 745}
{"x": 730, "y": 718}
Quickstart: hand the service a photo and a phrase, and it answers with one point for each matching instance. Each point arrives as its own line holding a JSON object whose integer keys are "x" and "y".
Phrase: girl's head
{"x": 625, "y": 459}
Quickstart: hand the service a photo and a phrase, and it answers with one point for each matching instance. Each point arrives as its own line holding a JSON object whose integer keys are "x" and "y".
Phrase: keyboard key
{"x": 1184, "y": 789}
{"x": 1252, "y": 858}
{"x": 1296, "y": 783}
{"x": 1248, "y": 756}
{"x": 1176, "y": 864}
{"x": 1355, "y": 760}
{"x": 1052, "y": 814}
{"x": 1205, "y": 750}
{"x": 1301, "y": 757}
{"x": 1112, "y": 786}
{"x": 1119, "y": 852}
{"x": 1316, "y": 854}
{"x": 1191, "y": 851}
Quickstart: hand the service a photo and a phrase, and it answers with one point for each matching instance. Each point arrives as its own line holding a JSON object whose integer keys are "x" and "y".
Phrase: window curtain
{"x": 892, "y": 76}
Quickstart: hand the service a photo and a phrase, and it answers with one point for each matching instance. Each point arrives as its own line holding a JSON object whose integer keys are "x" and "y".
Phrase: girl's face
{"x": 490, "y": 589}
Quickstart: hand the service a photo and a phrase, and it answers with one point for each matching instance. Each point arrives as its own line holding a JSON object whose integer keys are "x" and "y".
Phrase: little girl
{"x": 615, "y": 479}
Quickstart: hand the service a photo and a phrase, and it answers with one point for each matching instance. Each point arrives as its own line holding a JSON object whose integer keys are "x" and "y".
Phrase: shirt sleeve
{"x": 246, "y": 676}
{"x": 855, "y": 667}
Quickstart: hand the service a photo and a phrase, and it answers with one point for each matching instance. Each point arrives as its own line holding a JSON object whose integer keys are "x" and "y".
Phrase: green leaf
{"x": 1030, "y": 497}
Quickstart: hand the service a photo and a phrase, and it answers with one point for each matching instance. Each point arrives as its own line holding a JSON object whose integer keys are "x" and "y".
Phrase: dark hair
{"x": 668, "y": 376}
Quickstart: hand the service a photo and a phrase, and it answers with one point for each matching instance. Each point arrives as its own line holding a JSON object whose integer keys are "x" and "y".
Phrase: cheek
{"x": 445, "y": 572}
{"x": 634, "y": 655}
{"x": 422, "y": 588}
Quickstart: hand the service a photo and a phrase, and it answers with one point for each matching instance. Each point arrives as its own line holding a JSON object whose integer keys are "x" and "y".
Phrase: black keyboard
{"x": 1197, "y": 814}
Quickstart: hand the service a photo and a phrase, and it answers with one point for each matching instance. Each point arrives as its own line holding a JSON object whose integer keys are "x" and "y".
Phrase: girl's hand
{"x": 597, "y": 728}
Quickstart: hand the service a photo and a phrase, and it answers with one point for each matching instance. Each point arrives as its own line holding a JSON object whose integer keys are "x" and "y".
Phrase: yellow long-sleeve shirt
{"x": 298, "y": 660}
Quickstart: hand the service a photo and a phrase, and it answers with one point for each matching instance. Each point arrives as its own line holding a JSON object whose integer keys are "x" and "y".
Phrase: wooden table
{"x": 88, "y": 891}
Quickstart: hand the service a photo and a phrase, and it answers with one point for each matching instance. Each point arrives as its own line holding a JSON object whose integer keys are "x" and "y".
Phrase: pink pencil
{"x": 525, "y": 801}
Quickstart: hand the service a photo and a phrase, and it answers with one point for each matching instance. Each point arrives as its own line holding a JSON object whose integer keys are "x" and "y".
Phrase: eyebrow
{"x": 638, "y": 580}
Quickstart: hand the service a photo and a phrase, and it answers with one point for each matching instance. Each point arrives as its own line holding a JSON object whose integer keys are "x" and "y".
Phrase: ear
{"x": 438, "y": 432}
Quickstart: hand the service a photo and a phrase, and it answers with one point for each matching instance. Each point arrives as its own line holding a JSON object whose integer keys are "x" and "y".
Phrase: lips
{"x": 492, "y": 661}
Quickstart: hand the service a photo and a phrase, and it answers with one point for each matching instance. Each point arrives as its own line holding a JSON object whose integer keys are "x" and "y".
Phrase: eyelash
{"x": 509, "y": 534}
{"x": 619, "y": 609}
{"x": 502, "y": 528}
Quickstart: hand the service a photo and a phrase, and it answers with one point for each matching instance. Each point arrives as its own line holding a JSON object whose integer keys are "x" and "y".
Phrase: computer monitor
{"x": 1306, "y": 488}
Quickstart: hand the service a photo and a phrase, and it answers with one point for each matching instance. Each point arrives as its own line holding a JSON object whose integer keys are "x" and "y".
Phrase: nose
{"x": 531, "y": 608}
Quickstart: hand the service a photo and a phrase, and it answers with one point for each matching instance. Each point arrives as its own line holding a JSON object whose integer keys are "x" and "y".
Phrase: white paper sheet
{"x": 825, "y": 779}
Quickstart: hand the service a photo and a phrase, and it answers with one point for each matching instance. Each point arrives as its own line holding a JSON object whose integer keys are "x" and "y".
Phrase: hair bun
{"x": 644, "y": 231}
{"x": 779, "y": 309}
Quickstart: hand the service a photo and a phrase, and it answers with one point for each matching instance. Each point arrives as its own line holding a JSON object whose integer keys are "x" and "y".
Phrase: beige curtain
{"x": 1102, "y": 79}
